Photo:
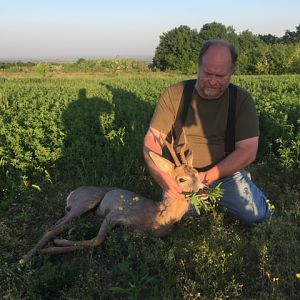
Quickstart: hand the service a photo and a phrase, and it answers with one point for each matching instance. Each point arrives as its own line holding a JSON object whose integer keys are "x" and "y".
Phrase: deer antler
{"x": 184, "y": 147}
{"x": 170, "y": 147}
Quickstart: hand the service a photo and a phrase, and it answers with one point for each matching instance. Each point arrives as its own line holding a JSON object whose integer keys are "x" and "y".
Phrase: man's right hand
{"x": 153, "y": 143}
{"x": 171, "y": 189}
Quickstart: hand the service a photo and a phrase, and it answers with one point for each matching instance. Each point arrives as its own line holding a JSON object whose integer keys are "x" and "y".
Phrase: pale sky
{"x": 90, "y": 28}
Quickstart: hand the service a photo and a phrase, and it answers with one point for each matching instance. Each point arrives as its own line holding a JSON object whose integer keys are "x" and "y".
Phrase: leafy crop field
{"x": 57, "y": 134}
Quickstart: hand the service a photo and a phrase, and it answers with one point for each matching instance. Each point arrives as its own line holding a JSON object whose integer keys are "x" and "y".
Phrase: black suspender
{"x": 230, "y": 129}
{"x": 184, "y": 107}
{"x": 186, "y": 99}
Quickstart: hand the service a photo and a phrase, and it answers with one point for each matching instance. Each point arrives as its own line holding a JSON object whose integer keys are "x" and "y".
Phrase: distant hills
{"x": 69, "y": 59}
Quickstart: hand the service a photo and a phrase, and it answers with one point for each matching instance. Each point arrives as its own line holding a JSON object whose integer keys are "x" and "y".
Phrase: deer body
{"x": 143, "y": 213}
{"x": 121, "y": 207}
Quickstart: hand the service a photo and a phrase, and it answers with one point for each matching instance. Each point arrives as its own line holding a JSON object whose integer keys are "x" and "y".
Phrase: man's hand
{"x": 153, "y": 142}
{"x": 171, "y": 189}
{"x": 242, "y": 156}
{"x": 208, "y": 177}
{"x": 203, "y": 177}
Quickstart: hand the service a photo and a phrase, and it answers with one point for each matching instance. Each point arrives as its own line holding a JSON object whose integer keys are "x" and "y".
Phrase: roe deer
{"x": 118, "y": 206}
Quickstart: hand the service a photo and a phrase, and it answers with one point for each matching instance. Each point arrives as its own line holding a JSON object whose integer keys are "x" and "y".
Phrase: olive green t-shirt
{"x": 206, "y": 122}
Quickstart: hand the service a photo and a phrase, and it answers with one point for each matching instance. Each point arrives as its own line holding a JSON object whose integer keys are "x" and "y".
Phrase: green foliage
{"x": 278, "y": 107}
{"x": 216, "y": 30}
{"x": 106, "y": 65}
{"x": 280, "y": 59}
{"x": 292, "y": 36}
{"x": 58, "y": 134}
{"x": 208, "y": 200}
{"x": 269, "y": 38}
{"x": 48, "y": 69}
{"x": 179, "y": 48}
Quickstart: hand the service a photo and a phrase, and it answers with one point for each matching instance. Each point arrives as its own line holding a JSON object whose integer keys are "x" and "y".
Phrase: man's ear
{"x": 162, "y": 163}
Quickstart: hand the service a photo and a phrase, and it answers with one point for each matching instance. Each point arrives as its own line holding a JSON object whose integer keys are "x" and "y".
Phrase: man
{"x": 205, "y": 127}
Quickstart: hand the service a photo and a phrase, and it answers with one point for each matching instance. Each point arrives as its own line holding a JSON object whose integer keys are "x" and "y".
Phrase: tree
{"x": 295, "y": 59}
{"x": 177, "y": 50}
{"x": 248, "y": 40}
{"x": 269, "y": 38}
{"x": 292, "y": 36}
{"x": 251, "y": 50}
{"x": 281, "y": 58}
{"x": 216, "y": 30}
{"x": 258, "y": 54}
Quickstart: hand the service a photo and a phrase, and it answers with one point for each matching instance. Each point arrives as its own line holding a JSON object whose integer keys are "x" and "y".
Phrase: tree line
{"x": 178, "y": 49}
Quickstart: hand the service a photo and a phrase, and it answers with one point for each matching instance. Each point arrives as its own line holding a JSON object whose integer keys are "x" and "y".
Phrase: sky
{"x": 58, "y": 29}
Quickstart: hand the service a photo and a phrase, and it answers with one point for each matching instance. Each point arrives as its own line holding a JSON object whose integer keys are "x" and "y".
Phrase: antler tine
{"x": 184, "y": 147}
{"x": 170, "y": 147}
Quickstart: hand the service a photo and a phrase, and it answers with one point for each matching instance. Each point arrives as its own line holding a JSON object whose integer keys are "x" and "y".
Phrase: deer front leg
{"x": 65, "y": 246}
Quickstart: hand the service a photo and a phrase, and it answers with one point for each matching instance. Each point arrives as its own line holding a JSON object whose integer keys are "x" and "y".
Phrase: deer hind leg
{"x": 61, "y": 225}
{"x": 65, "y": 246}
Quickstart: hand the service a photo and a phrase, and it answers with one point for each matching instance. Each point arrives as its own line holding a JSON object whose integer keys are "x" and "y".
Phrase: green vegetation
{"x": 57, "y": 134}
{"x": 207, "y": 201}
{"x": 178, "y": 49}
{"x": 81, "y": 66}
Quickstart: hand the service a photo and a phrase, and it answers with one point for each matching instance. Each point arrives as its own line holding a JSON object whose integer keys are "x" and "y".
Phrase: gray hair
{"x": 231, "y": 47}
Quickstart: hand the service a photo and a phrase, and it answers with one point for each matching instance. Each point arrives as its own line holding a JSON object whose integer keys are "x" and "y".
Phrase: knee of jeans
{"x": 250, "y": 217}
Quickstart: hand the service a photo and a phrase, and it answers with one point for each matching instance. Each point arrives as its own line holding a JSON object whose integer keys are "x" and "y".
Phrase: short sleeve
{"x": 247, "y": 124}
{"x": 166, "y": 110}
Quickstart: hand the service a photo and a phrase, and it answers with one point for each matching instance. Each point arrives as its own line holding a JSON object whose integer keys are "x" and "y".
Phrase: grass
{"x": 208, "y": 257}
{"x": 211, "y": 257}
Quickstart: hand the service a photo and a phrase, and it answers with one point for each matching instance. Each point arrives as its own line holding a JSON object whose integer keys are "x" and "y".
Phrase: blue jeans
{"x": 242, "y": 199}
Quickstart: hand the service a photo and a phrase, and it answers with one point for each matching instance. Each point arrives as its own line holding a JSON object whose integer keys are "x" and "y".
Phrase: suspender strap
{"x": 184, "y": 107}
{"x": 230, "y": 129}
{"x": 187, "y": 99}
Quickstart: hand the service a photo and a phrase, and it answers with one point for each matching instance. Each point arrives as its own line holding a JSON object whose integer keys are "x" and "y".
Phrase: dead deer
{"x": 118, "y": 206}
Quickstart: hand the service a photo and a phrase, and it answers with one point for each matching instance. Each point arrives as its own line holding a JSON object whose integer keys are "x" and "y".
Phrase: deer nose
{"x": 203, "y": 190}
{"x": 202, "y": 186}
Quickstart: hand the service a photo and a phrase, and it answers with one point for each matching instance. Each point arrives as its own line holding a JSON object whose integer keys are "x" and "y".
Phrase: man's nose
{"x": 212, "y": 79}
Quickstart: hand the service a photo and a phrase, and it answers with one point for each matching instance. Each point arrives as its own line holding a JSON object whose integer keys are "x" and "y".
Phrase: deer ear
{"x": 162, "y": 163}
{"x": 190, "y": 158}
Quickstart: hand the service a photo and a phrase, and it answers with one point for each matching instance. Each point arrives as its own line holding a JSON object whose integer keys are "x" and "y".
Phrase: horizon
{"x": 70, "y": 59}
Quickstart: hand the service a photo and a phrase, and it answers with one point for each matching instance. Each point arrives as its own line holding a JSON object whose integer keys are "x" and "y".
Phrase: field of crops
{"x": 57, "y": 134}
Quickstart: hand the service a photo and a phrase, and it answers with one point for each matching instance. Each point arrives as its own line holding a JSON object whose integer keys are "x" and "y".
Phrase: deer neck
{"x": 172, "y": 210}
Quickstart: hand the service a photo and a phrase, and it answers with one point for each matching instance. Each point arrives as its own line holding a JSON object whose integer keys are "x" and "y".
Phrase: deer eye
{"x": 181, "y": 180}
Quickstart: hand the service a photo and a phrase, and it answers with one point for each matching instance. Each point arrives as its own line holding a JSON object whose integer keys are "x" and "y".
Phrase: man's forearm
{"x": 243, "y": 155}
{"x": 234, "y": 162}
{"x": 154, "y": 172}
{"x": 152, "y": 143}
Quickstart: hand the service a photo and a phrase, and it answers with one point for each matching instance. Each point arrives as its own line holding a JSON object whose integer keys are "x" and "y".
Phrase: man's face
{"x": 215, "y": 72}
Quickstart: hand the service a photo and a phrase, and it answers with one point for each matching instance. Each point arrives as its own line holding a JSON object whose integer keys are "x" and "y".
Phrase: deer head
{"x": 182, "y": 171}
